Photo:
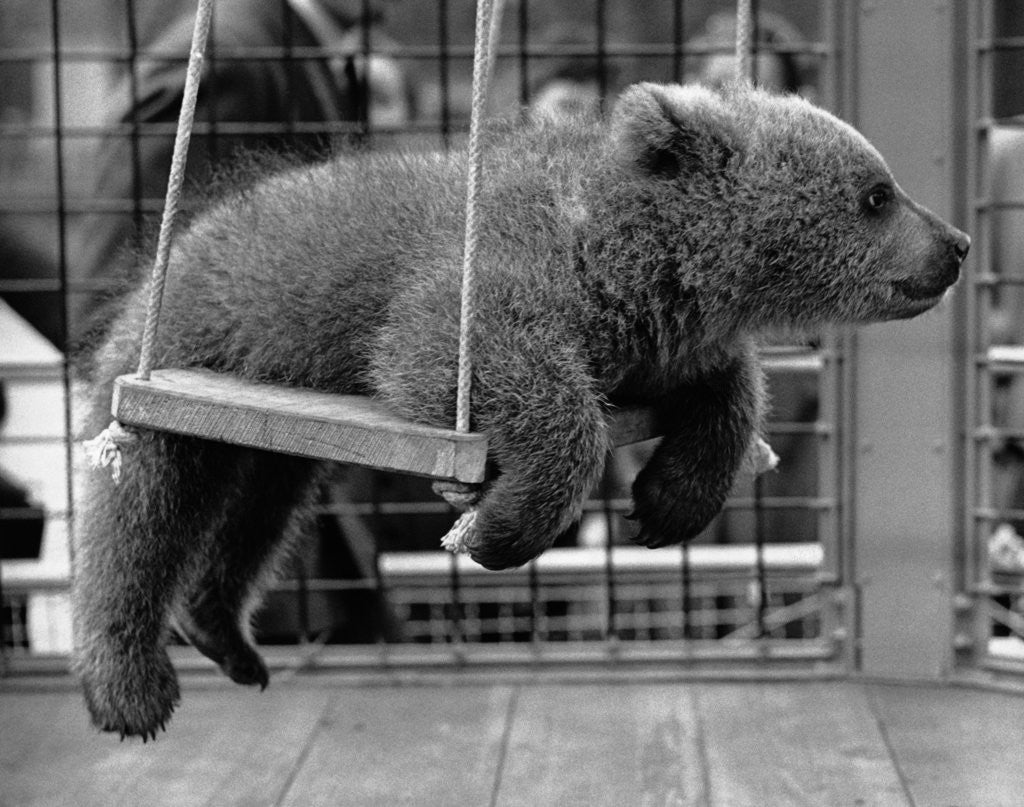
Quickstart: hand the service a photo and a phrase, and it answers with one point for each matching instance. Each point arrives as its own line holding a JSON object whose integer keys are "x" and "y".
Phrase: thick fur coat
{"x": 627, "y": 262}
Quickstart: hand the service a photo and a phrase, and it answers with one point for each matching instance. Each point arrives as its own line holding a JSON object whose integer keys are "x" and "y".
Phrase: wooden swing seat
{"x": 344, "y": 428}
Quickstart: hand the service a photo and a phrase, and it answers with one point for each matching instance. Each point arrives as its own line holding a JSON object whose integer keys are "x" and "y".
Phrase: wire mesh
{"x": 402, "y": 82}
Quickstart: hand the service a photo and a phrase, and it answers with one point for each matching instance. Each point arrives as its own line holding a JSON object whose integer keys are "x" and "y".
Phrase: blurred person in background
{"x": 778, "y": 66}
{"x": 270, "y": 101}
{"x": 576, "y": 82}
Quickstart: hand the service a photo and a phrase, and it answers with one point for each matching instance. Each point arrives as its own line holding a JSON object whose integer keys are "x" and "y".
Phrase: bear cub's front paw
{"x": 669, "y": 516}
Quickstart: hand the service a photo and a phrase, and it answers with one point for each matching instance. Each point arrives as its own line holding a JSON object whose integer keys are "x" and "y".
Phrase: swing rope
{"x": 104, "y": 450}
{"x": 485, "y": 34}
{"x": 465, "y": 497}
{"x": 182, "y": 135}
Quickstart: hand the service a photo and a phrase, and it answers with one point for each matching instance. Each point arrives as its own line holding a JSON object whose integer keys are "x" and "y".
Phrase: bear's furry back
{"x": 296, "y": 278}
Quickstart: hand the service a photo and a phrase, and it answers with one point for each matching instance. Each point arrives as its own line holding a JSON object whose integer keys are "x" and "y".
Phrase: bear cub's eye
{"x": 878, "y": 199}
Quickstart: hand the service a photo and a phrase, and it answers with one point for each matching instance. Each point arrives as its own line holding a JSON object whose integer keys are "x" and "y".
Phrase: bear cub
{"x": 626, "y": 262}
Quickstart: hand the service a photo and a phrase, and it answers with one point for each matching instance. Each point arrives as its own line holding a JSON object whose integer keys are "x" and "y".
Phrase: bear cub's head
{"x": 797, "y": 214}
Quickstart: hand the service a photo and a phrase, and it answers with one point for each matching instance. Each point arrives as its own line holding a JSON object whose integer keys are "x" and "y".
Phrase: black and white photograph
{"x": 512, "y": 403}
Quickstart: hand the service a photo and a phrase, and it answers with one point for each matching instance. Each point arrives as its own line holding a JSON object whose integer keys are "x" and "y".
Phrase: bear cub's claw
{"x": 224, "y": 645}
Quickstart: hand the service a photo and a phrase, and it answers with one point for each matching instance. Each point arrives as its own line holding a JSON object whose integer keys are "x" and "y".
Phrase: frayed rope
{"x": 760, "y": 457}
{"x": 104, "y": 450}
{"x": 465, "y": 498}
{"x": 456, "y": 540}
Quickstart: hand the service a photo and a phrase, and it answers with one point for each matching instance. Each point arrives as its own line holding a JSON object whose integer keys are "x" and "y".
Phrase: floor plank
{"x": 603, "y": 745}
{"x": 955, "y": 746}
{"x": 225, "y": 746}
{"x": 813, "y": 743}
{"x": 317, "y": 740}
{"x": 418, "y": 745}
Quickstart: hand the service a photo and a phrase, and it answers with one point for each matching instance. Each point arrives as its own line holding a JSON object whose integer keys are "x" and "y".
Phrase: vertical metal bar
{"x": 534, "y": 583}
{"x": 376, "y": 530}
{"x": 302, "y": 585}
{"x": 601, "y": 13}
{"x": 290, "y": 66}
{"x": 678, "y": 37}
{"x": 759, "y": 542}
{"x": 444, "y": 70}
{"x": 755, "y": 38}
{"x": 829, "y": 468}
{"x": 524, "y": 61}
{"x": 363, "y": 76}
{"x": 830, "y": 486}
{"x": 686, "y": 581}
{"x": 611, "y": 624}
{"x": 843, "y": 80}
{"x": 829, "y": 39}
{"x": 212, "y": 140}
{"x": 974, "y": 621}
{"x": 133, "y": 112}
{"x": 62, "y": 269}
{"x": 831, "y": 431}
{"x": 456, "y": 629}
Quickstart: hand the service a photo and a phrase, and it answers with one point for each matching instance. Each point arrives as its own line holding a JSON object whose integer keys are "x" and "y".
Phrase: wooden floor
{"x": 318, "y": 741}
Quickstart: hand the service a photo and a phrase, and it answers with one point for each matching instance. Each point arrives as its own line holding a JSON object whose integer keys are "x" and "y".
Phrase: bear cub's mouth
{"x": 920, "y": 291}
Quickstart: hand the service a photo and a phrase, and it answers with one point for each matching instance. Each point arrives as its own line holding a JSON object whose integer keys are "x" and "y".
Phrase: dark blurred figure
{"x": 256, "y": 93}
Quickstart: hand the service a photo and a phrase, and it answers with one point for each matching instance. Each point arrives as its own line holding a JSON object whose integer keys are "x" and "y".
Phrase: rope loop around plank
{"x": 465, "y": 498}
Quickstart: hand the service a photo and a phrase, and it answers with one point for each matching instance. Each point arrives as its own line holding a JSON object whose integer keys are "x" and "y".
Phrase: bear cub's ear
{"x": 672, "y": 130}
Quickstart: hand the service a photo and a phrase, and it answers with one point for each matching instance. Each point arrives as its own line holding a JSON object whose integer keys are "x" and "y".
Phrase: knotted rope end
{"x": 760, "y": 458}
{"x": 456, "y": 540}
{"x": 104, "y": 450}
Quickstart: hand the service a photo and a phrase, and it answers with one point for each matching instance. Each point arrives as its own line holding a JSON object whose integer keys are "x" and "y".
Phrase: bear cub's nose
{"x": 961, "y": 244}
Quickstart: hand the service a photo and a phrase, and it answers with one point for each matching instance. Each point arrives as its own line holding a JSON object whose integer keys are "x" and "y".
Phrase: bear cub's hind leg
{"x": 140, "y": 545}
{"x": 268, "y": 510}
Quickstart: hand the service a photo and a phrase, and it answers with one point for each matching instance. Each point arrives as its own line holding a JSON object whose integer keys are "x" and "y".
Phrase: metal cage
{"x": 852, "y": 557}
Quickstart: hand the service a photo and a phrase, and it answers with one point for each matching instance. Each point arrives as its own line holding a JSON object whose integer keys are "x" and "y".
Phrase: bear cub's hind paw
{"x": 222, "y": 642}
{"x": 136, "y": 703}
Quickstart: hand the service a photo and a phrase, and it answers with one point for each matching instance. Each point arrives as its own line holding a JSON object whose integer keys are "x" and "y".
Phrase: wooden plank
{"x": 808, "y": 743}
{"x": 291, "y": 420}
{"x": 225, "y": 746}
{"x": 633, "y": 425}
{"x": 603, "y": 745}
{"x": 953, "y": 745}
{"x": 412, "y": 745}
